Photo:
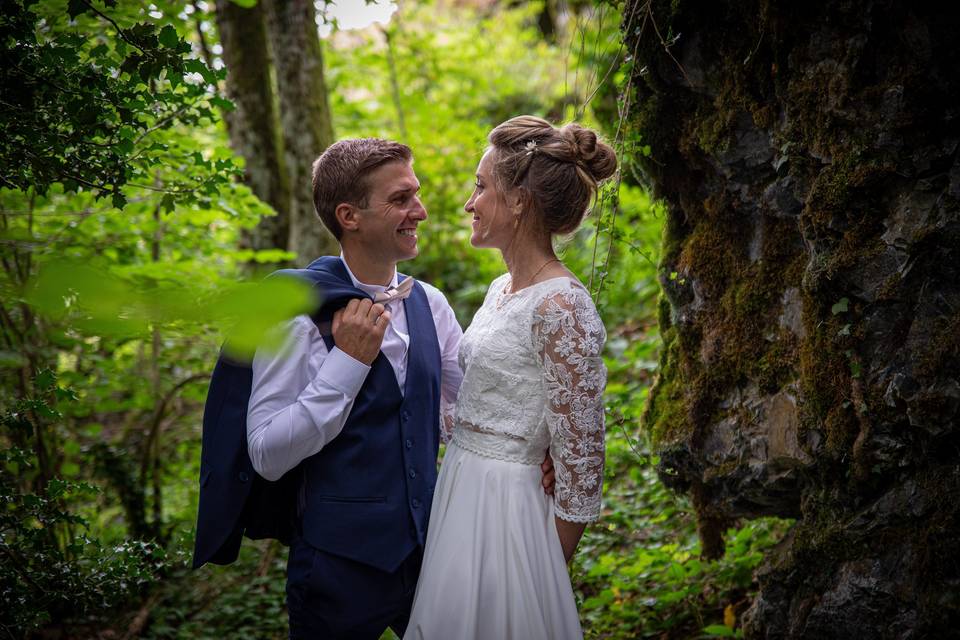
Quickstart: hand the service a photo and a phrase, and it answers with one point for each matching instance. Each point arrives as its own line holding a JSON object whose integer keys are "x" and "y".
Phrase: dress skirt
{"x": 493, "y": 566}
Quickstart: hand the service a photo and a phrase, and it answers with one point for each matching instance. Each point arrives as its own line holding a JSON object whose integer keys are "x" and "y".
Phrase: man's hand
{"x": 358, "y": 329}
{"x": 549, "y": 475}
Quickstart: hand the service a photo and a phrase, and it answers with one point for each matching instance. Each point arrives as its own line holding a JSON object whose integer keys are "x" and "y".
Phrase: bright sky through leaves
{"x": 355, "y": 14}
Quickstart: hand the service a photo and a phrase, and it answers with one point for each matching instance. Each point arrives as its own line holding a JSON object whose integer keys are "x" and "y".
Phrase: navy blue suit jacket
{"x": 234, "y": 499}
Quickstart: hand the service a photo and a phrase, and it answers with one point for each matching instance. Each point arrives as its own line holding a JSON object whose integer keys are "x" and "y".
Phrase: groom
{"x": 356, "y": 408}
{"x": 345, "y": 417}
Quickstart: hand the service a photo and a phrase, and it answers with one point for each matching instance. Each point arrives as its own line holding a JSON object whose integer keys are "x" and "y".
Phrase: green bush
{"x": 54, "y": 573}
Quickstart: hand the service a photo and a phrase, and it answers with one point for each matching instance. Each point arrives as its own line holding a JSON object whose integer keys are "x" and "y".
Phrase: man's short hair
{"x": 340, "y": 174}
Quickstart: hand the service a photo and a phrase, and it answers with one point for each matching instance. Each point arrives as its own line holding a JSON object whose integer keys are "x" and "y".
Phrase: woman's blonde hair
{"x": 557, "y": 170}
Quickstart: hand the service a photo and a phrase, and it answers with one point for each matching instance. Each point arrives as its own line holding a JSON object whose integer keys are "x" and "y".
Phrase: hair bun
{"x": 558, "y": 170}
{"x": 595, "y": 156}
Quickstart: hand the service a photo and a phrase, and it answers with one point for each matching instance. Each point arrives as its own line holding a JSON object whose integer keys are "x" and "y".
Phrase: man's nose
{"x": 419, "y": 212}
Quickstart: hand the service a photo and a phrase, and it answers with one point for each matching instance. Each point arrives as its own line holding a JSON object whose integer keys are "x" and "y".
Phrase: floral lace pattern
{"x": 568, "y": 336}
{"x": 533, "y": 381}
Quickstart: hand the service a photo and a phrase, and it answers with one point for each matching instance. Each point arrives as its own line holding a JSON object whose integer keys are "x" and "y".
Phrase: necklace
{"x": 535, "y": 274}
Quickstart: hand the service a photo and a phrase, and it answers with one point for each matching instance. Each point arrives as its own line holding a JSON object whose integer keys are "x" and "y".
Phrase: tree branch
{"x": 120, "y": 32}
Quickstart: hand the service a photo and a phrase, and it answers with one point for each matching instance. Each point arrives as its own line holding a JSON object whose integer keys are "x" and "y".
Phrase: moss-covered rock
{"x": 808, "y": 157}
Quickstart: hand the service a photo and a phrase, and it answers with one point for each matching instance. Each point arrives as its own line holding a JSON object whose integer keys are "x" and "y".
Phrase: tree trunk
{"x": 304, "y": 116}
{"x": 252, "y": 126}
{"x": 807, "y": 155}
{"x": 547, "y": 21}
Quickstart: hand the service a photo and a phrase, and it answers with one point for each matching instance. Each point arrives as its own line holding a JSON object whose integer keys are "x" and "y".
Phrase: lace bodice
{"x": 533, "y": 380}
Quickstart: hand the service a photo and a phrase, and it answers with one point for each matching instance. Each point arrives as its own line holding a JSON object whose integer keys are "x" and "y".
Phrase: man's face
{"x": 387, "y": 227}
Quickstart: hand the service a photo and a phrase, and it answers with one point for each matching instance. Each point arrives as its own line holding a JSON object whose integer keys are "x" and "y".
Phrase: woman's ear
{"x": 348, "y": 216}
{"x": 517, "y": 200}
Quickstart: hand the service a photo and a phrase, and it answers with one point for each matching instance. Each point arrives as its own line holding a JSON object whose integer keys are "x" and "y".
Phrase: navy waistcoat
{"x": 367, "y": 494}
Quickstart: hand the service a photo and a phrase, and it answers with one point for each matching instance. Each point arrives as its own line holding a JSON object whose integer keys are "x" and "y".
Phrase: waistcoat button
{"x": 413, "y": 473}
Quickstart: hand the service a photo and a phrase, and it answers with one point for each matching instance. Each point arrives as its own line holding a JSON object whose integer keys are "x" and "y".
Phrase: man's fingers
{"x": 363, "y": 307}
{"x": 549, "y": 477}
{"x": 549, "y": 474}
{"x": 380, "y": 323}
{"x": 359, "y": 328}
{"x": 547, "y": 464}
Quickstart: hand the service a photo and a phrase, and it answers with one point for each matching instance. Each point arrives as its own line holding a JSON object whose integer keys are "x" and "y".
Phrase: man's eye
{"x": 478, "y": 185}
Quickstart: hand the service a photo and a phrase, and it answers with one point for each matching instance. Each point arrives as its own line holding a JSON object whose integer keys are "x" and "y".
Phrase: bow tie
{"x": 398, "y": 292}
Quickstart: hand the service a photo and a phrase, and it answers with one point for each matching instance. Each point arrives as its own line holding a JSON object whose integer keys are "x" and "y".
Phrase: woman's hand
{"x": 570, "y": 534}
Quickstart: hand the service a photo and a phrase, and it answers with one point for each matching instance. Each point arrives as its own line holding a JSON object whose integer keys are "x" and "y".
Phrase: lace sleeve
{"x": 568, "y": 336}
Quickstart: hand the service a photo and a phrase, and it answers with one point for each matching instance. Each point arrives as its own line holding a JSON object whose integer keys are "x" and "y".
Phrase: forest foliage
{"x": 121, "y": 212}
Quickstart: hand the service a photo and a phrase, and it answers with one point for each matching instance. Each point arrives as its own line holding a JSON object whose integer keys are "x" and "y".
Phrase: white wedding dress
{"x": 493, "y": 568}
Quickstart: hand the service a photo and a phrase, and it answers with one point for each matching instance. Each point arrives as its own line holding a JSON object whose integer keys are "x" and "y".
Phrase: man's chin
{"x": 408, "y": 254}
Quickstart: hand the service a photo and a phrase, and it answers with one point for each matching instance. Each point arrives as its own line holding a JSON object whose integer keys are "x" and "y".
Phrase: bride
{"x": 496, "y": 552}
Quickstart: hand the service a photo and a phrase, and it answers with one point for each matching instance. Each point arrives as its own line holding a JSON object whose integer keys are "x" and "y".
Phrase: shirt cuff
{"x": 343, "y": 372}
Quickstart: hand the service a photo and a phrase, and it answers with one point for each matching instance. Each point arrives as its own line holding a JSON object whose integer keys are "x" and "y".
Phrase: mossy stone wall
{"x": 807, "y": 153}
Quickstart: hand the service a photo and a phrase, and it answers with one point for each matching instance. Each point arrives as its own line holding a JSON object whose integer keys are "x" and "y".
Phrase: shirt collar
{"x": 368, "y": 288}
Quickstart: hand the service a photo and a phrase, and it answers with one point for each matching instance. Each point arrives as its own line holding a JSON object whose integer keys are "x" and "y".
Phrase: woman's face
{"x": 493, "y": 217}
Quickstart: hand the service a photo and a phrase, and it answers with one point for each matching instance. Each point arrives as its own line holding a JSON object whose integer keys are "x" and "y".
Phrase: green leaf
{"x": 840, "y": 307}
{"x": 222, "y": 103}
{"x": 169, "y": 37}
{"x": 144, "y": 34}
{"x": 673, "y": 596}
{"x": 197, "y": 66}
{"x": 75, "y": 8}
{"x": 257, "y": 310}
{"x": 719, "y": 631}
{"x": 45, "y": 379}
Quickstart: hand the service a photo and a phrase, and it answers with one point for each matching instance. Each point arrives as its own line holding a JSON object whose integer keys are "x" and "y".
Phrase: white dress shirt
{"x": 302, "y": 394}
